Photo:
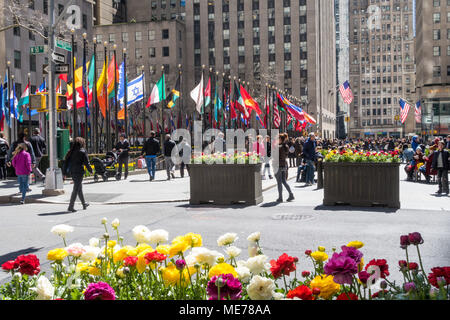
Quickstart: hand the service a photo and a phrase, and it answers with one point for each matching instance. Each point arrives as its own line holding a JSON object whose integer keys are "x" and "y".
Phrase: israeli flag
{"x": 135, "y": 90}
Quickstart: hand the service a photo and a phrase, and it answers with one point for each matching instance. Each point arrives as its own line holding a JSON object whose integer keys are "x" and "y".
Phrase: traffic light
{"x": 61, "y": 102}
{"x": 39, "y": 102}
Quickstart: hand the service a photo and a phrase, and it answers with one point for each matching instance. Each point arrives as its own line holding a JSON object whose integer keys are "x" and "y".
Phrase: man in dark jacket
{"x": 150, "y": 150}
{"x": 309, "y": 154}
{"x": 40, "y": 149}
{"x": 169, "y": 144}
{"x": 4, "y": 148}
{"x": 442, "y": 165}
{"x": 123, "y": 146}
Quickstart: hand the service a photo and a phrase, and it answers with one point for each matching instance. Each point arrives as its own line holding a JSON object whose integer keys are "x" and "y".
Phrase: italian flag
{"x": 158, "y": 92}
{"x": 24, "y": 100}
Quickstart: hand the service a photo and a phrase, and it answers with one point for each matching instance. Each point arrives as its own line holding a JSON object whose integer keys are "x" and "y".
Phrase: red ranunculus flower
{"x": 347, "y": 296}
{"x": 302, "y": 292}
{"x": 378, "y": 294}
{"x": 308, "y": 252}
{"x": 403, "y": 264}
{"x": 283, "y": 265}
{"x": 305, "y": 274}
{"x": 8, "y": 265}
{"x": 413, "y": 266}
{"x": 382, "y": 264}
{"x": 27, "y": 264}
{"x": 130, "y": 261}
{"x": 154, "y": 257}
{"x": 439, "y": 272}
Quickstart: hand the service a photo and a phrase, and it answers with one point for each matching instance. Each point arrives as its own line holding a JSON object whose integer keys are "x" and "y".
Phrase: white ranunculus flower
{"x": 233, "y": 252}
{"x": 244, "y": 274}
{"x": 256, "y": 236}
{"x": 202, "y": 255}
{"x": 141, "y": 234}
{"x": 227, "y": 239}
{"x": 61, "y": 230}
{"x": 261, "y": 288}
{"x": 44, "y": 289}
{"x": 258, "y": 264}
{"x": 94, "y": 242}
{"x": 90, "y": 254}
{"x": 158, "y": 236}
{"x": 75, "y": 249}
{"x": 115, "y": 223}
{"x": 278, "y": 296}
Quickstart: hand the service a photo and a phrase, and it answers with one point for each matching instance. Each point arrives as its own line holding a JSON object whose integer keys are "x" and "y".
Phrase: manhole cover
{"x": 291, "y": 216}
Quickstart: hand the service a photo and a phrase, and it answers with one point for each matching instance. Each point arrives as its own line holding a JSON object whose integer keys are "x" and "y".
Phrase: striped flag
{"x": 346, "y": 92}
{"x": 404, "y": 110}
{"x": 418, "y": 112}
{"x": 276, "y": 115}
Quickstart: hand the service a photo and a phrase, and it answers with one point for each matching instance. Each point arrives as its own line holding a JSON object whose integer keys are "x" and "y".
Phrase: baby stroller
{"x": 105, "y": 168}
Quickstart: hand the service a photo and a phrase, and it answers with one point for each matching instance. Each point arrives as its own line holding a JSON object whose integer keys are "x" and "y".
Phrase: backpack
{"x": 3, "y": 149}
{"x": 292, "y": 149}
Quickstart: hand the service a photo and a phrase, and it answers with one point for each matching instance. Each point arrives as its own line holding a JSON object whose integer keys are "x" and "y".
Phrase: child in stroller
{"x": 106, "y": 168}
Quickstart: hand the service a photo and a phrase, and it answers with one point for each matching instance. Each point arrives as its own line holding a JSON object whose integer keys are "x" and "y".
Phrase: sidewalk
{"x": 136, "y": 189}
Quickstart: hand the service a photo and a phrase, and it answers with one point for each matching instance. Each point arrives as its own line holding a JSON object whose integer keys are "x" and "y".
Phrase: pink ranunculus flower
{"x": 99, "y": 291}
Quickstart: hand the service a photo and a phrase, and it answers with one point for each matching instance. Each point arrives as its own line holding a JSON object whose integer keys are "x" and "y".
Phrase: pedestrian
{"x": 74, "y": 163}
{"x": 123, "y": 146}
{"x": 169, "y": 145}
{"x": 298, "y": 151}
{"x": 441, "y": 164}
{"x": 183, "y": 147}
{"x": 21, "y": 138}
{"x": 219, "y": 144}
{"x": 291, "y": 145}
{"x": 40, "y": 149}
{"x": 281, "y": 174}
{"x": 21, "y": 161}
{"x": 309, "y": 153}
{"x": 151, "y": 150}
{"x": 448, "y": 143}
{"x": 4, "y": 148}
{"x": 266, "y": 159}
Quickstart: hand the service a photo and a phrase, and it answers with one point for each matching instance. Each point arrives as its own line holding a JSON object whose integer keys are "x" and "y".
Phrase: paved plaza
{"x": 288, "y": 227}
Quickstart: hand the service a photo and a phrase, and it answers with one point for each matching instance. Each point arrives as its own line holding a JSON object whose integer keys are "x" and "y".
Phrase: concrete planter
{"x": 225, "y": 184}
{"x": 362, "y": 184}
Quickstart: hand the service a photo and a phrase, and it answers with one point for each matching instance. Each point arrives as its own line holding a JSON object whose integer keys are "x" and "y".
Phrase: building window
{"x": 437, "y": 34}
{"x": 138, "y": 36}
{"x": 152, "y": 52}
{"x": 124, "y": 36}
{"x": 17, "y": 59}
{"x": 436, "y": 17}
{"x": 151, "y": 35}
{"x": 112, "y": 38}
{"x": 436, "y": 71}
{"x": 33, "y": 63}
{"x": 138, "y": 53}
{"x": 165, "y": 51}
{"x": 437, "y": 51}
{"x": 165, "y": 33}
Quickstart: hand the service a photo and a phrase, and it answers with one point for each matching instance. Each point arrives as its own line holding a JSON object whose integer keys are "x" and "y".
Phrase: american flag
{"x": 404, "y": 110}
{"x": 346, "y": 92}
{"x": 418, "y": 112}
{"x": 276, "y": 115}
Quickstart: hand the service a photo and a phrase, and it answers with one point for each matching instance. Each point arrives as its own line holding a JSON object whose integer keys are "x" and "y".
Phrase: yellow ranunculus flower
{"x": 326, "y": 285}
{"x": 319, "y": 256}
{"x": 94, "y": 271}
{"x": 82, "y": 267}
{"x": 171, "y": 276}
{"x": 57, "y": 254}
{"x": 163, "y": 249}
{"x": 142, "y": 263}
{"x": 355, "y": 244}
{"x": 120, "y": 273}
{"x": 321, "y": 249}
{"x": 112, "y": 243}
{"x": 142, "y": 247}
{"x": 124, "y": 252}
{"x": 179, "y": 244}
{"x": 222, "y": 268}
{"x": 194, "y": 239}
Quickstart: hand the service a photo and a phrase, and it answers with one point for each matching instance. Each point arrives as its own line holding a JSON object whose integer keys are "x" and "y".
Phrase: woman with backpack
{"x": 74, "y": 163}
{"x": 21, "y": 161}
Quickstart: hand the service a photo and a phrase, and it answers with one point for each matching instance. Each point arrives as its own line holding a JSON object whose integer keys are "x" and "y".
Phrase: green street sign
{"x": 63, "y": 45}
{"x": 38, "y": 49}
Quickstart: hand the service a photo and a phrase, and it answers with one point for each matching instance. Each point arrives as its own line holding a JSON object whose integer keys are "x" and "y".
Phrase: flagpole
{"x": 74, "y": 94}
{"x": 84, "y": 82}
{"x": 180, "y": 72}
{"x": 203, "y": 92}
{"x": 13, "y": 109}
{"x": 29, "y": 110}
{"x": 143, "y": 104}
{"x": 94, "y": 100}
{"x": 223, "y": 103}
{"x": 107, "y": 113}
{"x": 116, "y": 126}
{"x": 8, "y": 89}
{"x": 163, "y": 133}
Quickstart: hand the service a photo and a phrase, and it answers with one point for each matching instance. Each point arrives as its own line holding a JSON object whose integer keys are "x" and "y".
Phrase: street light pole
{"x": 74, "y": 95}
{"x": 53, "y": 179}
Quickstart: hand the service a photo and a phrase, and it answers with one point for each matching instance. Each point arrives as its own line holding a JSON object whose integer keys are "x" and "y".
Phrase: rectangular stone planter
{"x": 225, "y": 184}
{"x": 362, "y": 184}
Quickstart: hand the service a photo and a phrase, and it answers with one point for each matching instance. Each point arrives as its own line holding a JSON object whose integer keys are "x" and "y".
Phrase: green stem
{"x": 421, "y": 265}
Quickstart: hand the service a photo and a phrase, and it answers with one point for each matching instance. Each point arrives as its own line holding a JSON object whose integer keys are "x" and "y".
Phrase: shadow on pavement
{"x": 350, "y": 208}
{"x": 13, "y": 255}
{"x": 54, "y": 213}
{"x": 270, "y": 204}
{"x": 208, "y": 206}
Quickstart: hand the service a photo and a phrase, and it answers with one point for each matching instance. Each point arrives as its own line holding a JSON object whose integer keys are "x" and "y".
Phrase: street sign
{"x": 39, "y": 49}
{"x": 45, "y": 69}
{"x": 63, "y": 45}
{"x": 62, "y": 68}
{"x": 57, "y": 57}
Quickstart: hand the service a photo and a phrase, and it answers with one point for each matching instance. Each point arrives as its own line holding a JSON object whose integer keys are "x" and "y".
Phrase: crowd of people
{"x": 421, "y": 158}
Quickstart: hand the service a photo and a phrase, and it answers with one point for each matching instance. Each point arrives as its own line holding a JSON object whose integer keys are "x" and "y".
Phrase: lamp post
{"x": 86, "y": 127}
{"x": 8, "y": 88}
{"x": 108, "y": 113}
{"x": 94, "y": 100}
{"x": 163, "y": 132}
{"x": 125, "y": 90}
{"x": 74, "y": 95}
{"x": 29, "y": 110}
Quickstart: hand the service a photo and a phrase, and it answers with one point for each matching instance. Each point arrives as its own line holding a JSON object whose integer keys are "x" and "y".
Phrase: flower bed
{"x": 107, "y": 269}
{"x": 224, "y": 158}
{"x": 349, "y": 155}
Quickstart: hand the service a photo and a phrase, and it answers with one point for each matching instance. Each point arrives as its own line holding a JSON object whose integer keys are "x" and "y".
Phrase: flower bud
{"x": 316, "y": 291}
{"x": 402, "y": 263}
{"x": 415, "y": 238}
{"x": 104, "y": 221}
{"x": 413, "y": 266}
{"x": 321, "y": 249}
{"x": 441, "y": 281}
{"x": 106, "y": 235}
{"x": 17, "y": 275}
{"x": 219, "y": 282}
{"x": 121, "y": 238}
{"x": 308, "y": 252}
{"x": 197, "y": 266}
{"x": 383, "y": 284}
{"x": 404, "y": 241}
{"x": 434, "y": 292}
{"x": 180, "y": 264}
{"x": 126, "y": 270}
{"x": 115, "y": 224}
{"x": 305, "y": 274}
{"x": 295, "y": 259}
{"x": 220, "y": 260}
{"x": 409, "y": 286}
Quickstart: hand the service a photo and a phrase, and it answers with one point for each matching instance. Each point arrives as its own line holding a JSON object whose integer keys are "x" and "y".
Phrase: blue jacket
{"x": 309, "y": 150}
{"x": 414, "y": 143}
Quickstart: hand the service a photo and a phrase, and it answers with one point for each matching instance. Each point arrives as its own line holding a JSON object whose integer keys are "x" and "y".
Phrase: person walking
{"x": 441, "y": 164}
{"x": 21, "y": 138}
{"x": 281, "y": 174}
{"x": 151, "y": 150}
{"x": 40, "y": 149}
{"x": 267, "y": 158}
{"x": 123, "y": 146}
{"x": 75, "y": 161}
{"x": 169, "y": 145}
{"x": 291, "y": 156}
{"x": 4, "y": 148}
{"x": 21, "y": 161}
{"x": 298, "y": 151}
{"x": 183, "y": 147}
{"x": 309, "y": 153}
